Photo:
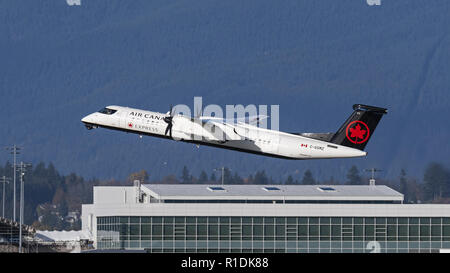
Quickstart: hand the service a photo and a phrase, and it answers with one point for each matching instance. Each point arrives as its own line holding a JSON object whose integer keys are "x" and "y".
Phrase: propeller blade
{"x": 169, "y": 121}
{"x": 168, "y": 129}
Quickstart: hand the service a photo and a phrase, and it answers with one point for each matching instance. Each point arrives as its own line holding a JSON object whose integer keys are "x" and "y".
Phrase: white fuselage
{"x": 241, "y": 136}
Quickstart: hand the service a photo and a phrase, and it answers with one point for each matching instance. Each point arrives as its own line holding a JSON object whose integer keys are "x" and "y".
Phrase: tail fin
{"x": 359, "y": 127}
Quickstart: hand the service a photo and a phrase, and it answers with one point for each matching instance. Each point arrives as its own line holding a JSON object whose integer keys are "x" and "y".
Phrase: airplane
{"x": 244, "y": 135}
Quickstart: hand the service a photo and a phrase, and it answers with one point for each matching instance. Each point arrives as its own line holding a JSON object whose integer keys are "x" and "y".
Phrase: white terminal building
{"x": 263, "y": 218}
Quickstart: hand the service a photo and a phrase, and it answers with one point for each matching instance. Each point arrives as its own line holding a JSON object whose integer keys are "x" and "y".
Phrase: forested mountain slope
{"x": 313, "y": 58}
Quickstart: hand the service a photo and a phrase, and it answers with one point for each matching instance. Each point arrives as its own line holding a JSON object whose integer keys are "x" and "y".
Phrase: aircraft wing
{"x": 220, "y": 129}
{"x": 213, "y": 129}
{"x": 253, "y": 120}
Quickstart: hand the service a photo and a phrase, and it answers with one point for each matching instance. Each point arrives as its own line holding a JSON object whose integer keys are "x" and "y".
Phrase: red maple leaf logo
{"x": 130, "y": 124}
{"x": 357, "y": 132}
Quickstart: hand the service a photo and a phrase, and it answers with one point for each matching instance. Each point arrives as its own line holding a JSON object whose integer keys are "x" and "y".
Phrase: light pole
{"x": 14, "y": 151}
{"x": 223, "y": 171}
{"x": 22, "y": 169}
{"x": 372, "y": 170}
{"x": 4, "y": 180}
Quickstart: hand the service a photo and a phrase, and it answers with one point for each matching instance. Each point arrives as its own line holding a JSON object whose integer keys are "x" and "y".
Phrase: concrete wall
{"x": 115, "y": 195}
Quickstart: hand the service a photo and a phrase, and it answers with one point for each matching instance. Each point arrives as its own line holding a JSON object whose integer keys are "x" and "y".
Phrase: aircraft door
{"x": 114, "y": 119}
{"x": 122, "y": 118}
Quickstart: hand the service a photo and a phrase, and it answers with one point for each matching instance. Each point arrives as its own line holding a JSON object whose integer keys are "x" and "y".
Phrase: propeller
{"x": 169, "y": 121}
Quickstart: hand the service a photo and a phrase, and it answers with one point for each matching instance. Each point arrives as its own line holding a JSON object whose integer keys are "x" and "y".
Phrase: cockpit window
{"x": 107, "y": 111}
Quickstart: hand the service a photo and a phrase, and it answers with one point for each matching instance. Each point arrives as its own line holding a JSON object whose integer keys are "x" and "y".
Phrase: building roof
{"x": 288, "y": 192}
{"x": 62, "y": 236}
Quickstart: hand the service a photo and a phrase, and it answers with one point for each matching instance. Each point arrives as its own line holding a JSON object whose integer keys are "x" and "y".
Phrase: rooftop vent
{"x": 326, "y": 189}
{"x": 271, "y": 189}
{"x": 216, "y": 189}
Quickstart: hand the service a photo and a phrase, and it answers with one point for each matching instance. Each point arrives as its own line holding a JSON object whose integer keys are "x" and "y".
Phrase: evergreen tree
{"x": 185, "y": 176}
{"x": 59, "y": 197}
{"x": 203, "y": 178}
{"x": 227, "y": 176}
{"x": 261, "y": 178}
{"x": 353, "y": 177}
{"x": 331, "y": 181}
{"x": 437, "y": 181}
{"x": 415, "y": 191}
{"x": 308, "y": 178}
{"x": 271, "y": 181}
{"x": 63, "y": 209}
{"x": 403, "y": 185}
{"x": 250, "y": 179}
{"x": 289, "y": 180}
{"x": 213, "y": 177}
{"x": 237, "y": 179}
